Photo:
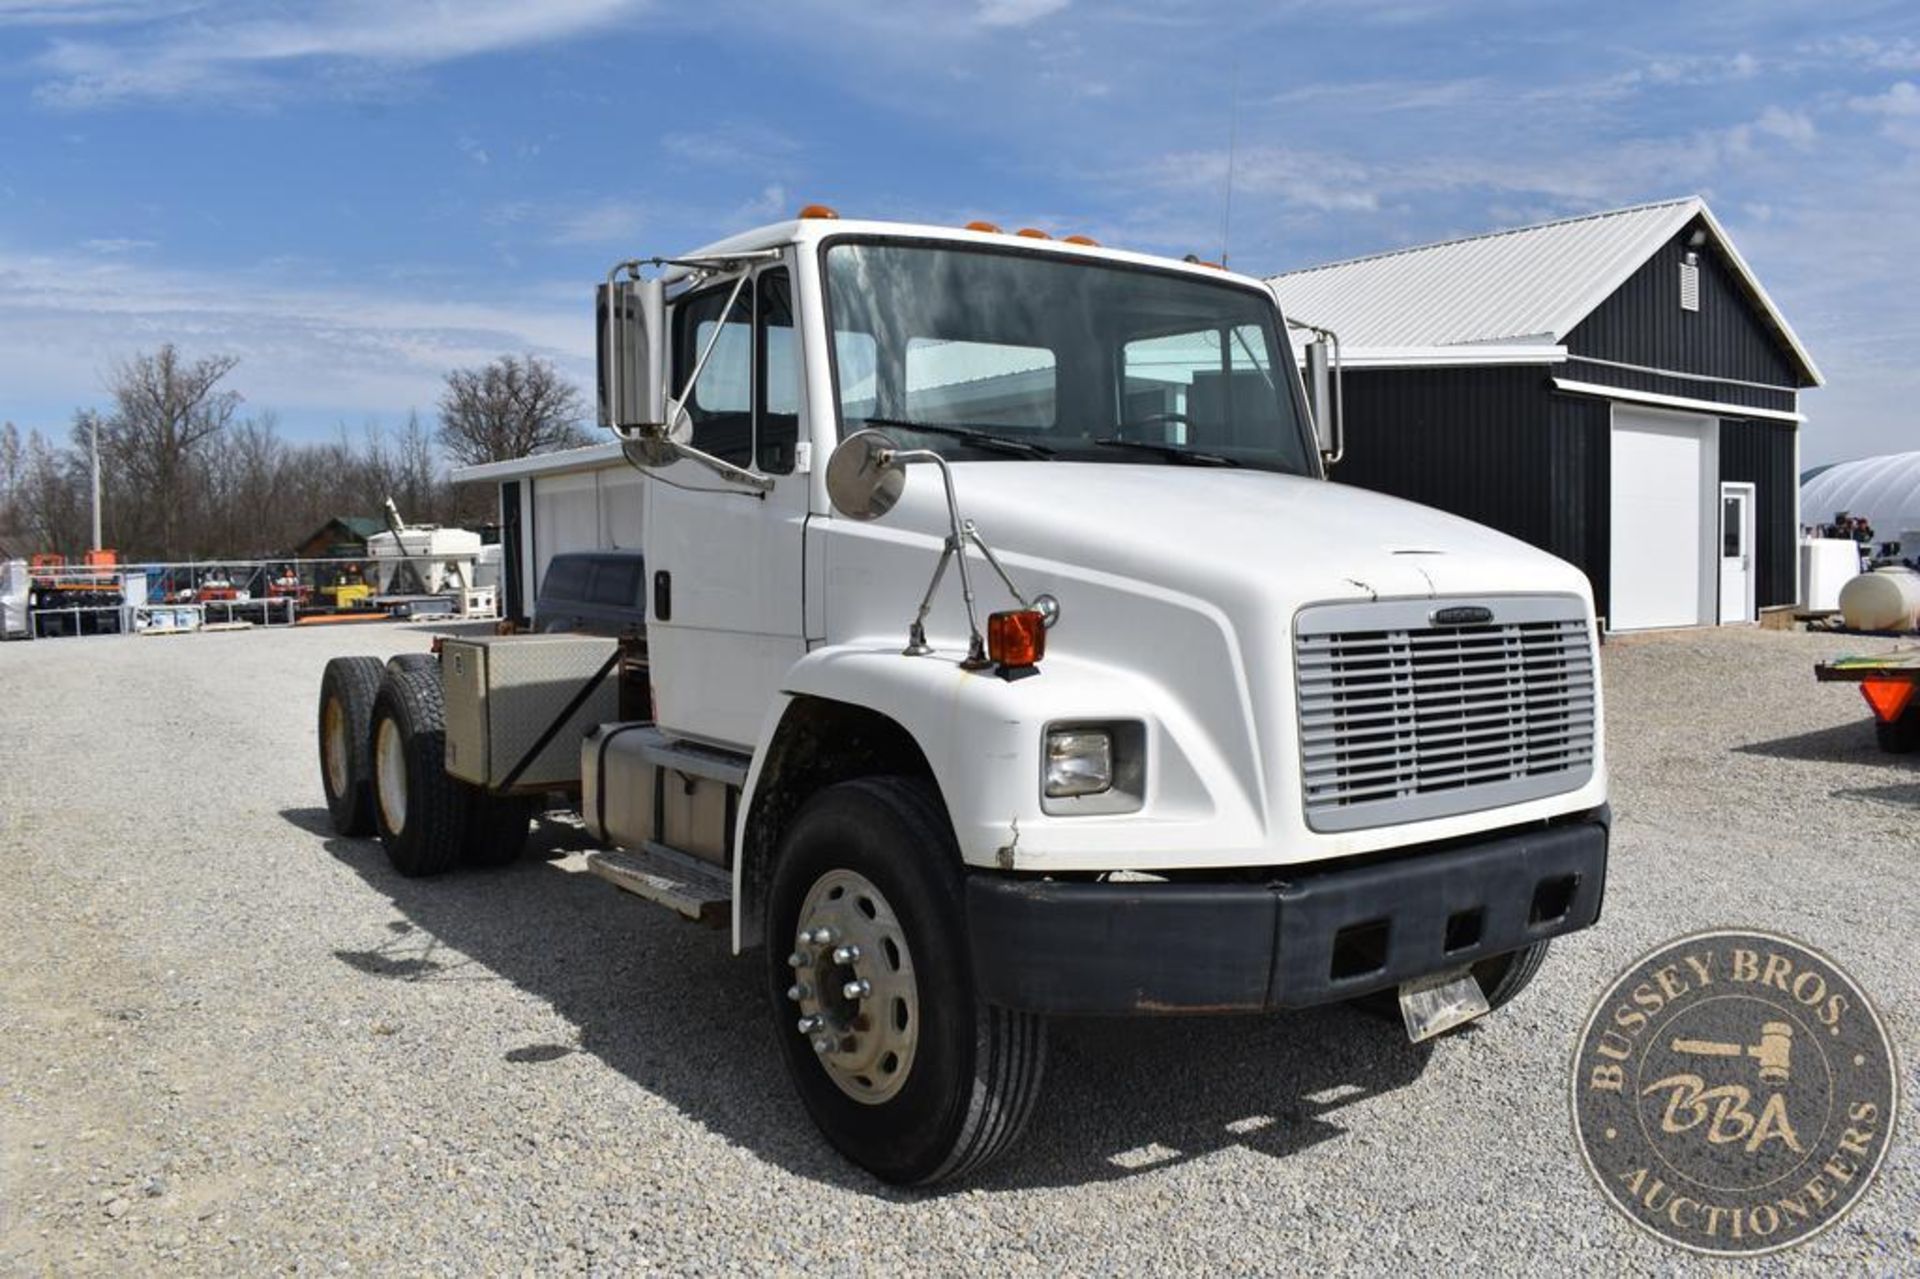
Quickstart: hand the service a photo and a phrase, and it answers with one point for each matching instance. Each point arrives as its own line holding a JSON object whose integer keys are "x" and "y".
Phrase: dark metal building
{"x": 1617, "y": 389}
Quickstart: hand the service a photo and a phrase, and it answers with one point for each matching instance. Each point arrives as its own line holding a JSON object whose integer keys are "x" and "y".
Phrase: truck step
{"x": 699, "y": 890}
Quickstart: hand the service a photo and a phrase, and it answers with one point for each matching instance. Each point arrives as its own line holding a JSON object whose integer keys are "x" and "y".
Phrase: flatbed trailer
{"x": 1887, "y": 681}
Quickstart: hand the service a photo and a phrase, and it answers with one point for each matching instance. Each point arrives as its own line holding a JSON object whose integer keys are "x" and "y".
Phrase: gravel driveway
{"x": 230, "y": 1042}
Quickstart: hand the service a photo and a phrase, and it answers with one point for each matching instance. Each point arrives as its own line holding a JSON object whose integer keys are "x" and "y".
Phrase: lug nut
{"x": 807, "y": 1025}
{"x": 797, "y": 959}
{"x": 822, "y": 1045}
{"x": 821, "y": 936}
{"x": 857, "y": 989}
{"x": 797, "y": 993}
{"x": 846, "y": 954}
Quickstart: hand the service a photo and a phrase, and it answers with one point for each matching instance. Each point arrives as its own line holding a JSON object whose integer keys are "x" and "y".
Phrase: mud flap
{"x": 1438, "y": 1002}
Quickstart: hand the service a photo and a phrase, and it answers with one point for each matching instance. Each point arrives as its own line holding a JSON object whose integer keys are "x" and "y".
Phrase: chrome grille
{"x": 1402, "y": 720}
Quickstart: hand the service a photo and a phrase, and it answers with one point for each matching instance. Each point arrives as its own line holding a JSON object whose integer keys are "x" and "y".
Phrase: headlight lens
{"x": 1079, "y": 762}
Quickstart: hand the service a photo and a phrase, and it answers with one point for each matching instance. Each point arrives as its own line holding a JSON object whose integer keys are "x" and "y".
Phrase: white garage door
{"x": 1659, "y": 475}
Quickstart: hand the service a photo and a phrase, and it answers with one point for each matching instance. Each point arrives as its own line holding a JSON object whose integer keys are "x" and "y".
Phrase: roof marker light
{"x": 819, "y": 211}
{"x": 1033, "y": 233}
{"x": 988, "y": 227}
{"x": 1087, "y": 240}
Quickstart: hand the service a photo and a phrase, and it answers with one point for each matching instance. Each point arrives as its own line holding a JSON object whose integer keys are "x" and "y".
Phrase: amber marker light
{"x": 1086, "y": 240}
{"x": 1017, "y": 638}
{"x": 1888, "y": 697}
{"x": 819, "y": 211}
{"x": 989, "y": 227}
{"x": 1033, "y": 233}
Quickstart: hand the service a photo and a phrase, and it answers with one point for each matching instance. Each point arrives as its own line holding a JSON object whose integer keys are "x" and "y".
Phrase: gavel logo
{"x": 1774, "y": 1052}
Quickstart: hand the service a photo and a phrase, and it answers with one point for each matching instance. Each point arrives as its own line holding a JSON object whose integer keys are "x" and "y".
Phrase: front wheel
{"x": 904, "y": 1069}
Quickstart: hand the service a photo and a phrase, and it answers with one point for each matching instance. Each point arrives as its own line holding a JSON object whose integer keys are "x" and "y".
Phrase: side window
{"x": 779, "y": 373}
{"x": 721, "y": 407}
{"x": 1204, "y": 387}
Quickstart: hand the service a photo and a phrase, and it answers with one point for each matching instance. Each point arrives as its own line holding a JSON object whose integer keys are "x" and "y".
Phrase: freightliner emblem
{"x": 1462, "y": 615}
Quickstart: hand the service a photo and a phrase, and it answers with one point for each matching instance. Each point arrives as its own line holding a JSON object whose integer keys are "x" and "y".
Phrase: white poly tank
{"x": 1887, "y": 599}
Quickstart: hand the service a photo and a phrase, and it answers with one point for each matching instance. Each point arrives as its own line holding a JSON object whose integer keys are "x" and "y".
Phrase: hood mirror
{"x": 865, "y": 475}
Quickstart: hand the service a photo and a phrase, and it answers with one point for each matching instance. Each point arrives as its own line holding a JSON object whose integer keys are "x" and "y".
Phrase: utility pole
{"x": 93, "y": 421}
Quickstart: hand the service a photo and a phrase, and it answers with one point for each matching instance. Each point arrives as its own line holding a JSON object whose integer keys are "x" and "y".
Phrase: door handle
{"x": 662, "y": 596}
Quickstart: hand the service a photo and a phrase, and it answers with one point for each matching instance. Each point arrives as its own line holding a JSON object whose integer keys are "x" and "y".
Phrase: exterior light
{"x": 819, "y": 211}
{"x": 1017, "y": 637}
{"x": 1079, "y": 762}
{"x": 978, "y": 225}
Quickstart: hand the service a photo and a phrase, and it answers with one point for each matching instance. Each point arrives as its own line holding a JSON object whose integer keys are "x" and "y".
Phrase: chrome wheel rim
{"x": 390, "y": 775}
{"x": 333, "y": 746}
{"x": 854, "y": 990}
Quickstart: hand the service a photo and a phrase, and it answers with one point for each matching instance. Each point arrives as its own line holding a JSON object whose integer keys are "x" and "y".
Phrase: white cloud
{"x": 66, "y": 318}
{"x": 225, "y": 49}
{"x": 1789, "y": 126}
{"x": 1903, "y": 99}
{"x": 116, "y": 244}
{"x": 1015, "y": 13}
{"x": 604, "y": 222}
{"x": 733, "y": 145}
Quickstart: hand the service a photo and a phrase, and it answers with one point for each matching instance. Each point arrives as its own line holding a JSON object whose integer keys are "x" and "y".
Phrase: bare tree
{"x": 514, "y": 406}
{"x": 164, "y": 409}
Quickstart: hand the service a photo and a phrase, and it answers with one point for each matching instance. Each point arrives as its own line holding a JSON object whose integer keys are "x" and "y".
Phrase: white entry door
{"x": 1736, "y": 553}
{"x": 1663, "y": 478}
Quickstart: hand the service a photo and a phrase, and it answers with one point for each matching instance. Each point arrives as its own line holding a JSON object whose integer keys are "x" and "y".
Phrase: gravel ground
{"x": 230, "y": 1042}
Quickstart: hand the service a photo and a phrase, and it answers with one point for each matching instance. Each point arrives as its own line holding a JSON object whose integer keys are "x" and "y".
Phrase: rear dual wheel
{"x": 904, "y": 1069}
{"x": 347, "y": 689}
{"x": 428, "y": 820}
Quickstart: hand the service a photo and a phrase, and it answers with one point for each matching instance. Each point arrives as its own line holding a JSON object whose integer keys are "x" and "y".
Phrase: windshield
{"x": 998, "y": 354}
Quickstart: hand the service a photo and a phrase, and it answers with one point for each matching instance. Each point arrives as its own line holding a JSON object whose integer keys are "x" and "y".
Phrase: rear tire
{"x": 497, "y": 827}
{"x": 877, "y": 857}
{"x": 347, "y": 689}
{"x": 420, "y": 811}
{"x": 1902, "y": 737}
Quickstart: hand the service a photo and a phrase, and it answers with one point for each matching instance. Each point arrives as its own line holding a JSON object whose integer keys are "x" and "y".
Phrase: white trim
{"x": 589, "y": 457}
{"x": 1684, "y": 403}
{"x": 1683, "y": 377}
{"x": 1444, "y": 357}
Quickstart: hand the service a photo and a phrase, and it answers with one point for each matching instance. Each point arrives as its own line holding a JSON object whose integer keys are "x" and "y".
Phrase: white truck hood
{"x": 1303, "y": 540}
{"x": 1178, "y": 589}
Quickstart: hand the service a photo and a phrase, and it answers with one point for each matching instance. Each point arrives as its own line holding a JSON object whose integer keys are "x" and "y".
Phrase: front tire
{"x": 420, "y": 811}
{"x": 347, "y": 689}
{"x": 905, "y": 1071}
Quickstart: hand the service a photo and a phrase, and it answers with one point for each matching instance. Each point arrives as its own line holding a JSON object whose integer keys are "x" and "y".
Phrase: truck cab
{"x": 1011, "y": 655}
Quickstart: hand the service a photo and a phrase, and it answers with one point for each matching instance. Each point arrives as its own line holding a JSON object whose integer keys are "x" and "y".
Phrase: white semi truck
{"x": 1120, "y": 707}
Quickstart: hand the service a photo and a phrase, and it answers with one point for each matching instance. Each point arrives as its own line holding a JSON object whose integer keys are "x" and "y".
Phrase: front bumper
{"x": 1300, "y": 938}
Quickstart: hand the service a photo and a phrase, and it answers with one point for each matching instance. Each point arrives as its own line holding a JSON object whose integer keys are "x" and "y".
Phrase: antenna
{"x": 1233, "y": 140}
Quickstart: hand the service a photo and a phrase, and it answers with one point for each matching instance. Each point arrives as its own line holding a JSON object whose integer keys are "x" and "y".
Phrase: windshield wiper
{"x": 971, "y": 434}
{"x": 1175, "y": 452}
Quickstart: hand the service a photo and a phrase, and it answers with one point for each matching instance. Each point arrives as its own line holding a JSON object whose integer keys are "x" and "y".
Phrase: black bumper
{"x": 1106, "y": 948}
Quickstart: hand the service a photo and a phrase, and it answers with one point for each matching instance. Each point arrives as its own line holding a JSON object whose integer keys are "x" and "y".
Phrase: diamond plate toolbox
{"x": 503, "y": 693}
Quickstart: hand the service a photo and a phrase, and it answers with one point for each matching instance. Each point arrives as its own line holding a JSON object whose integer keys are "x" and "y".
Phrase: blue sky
{"x": 354, "y": 196}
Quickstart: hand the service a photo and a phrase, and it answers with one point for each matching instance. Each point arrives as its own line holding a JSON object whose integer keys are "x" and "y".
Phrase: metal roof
{"x": 1529, "y": 284}
{"x": 1886, "y": 490}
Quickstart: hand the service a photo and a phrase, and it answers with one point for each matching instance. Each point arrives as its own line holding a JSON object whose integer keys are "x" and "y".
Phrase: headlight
{"x": 1079, "y": 762}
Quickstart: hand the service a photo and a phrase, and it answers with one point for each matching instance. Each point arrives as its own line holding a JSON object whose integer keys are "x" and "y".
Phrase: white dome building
{"x": 1885, "y": 490}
